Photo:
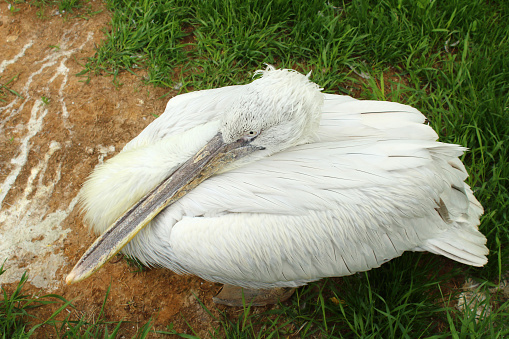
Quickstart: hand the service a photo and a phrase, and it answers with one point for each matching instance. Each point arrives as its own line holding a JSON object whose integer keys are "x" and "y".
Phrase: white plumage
{"x": 343, "y": 186}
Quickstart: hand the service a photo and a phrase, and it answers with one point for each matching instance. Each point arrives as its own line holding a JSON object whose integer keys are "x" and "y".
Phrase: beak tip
{"x": 70, "y": 278}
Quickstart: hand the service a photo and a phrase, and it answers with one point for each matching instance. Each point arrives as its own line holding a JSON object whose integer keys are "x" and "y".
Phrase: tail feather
{"x": 471, "y": 252}
{"x": 459, "y": 210}
{"x": 463, "y": 242}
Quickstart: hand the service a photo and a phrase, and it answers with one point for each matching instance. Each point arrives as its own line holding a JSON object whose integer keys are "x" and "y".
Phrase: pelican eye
{"x": 250, "y": 135}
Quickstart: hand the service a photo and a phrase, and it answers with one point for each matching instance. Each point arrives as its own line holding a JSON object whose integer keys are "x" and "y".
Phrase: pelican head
{"x": 279, "y": 110}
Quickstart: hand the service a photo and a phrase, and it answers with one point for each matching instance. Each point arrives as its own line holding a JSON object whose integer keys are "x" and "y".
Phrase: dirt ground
{"x": 50, "y": 140}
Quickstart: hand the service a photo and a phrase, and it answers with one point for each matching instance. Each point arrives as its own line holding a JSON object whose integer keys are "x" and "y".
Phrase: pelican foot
{"x": 232, "y": 296}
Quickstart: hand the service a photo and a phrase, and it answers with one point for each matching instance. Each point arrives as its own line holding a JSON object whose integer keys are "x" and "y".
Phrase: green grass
{"x": 66, "y": 8}
{"x": 16, "y": 309}
{"x": 405, "y": 299}
{"x": 450, "y": 59}
{"x": 5, "y": 89}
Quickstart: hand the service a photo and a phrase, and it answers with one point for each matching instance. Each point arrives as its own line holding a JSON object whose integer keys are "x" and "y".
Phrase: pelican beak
{"x": 215, "y": 155}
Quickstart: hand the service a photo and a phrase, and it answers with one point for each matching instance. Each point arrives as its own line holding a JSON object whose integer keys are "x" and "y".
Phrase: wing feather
{"x": 186, "y": 111}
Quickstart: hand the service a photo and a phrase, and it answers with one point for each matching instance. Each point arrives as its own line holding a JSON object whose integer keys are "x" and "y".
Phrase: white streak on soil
{"x": 31, "y": 235}
{"x": 6, "y": 63}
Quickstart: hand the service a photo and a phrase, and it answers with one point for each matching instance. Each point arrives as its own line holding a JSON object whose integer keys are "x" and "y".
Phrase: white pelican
{"x": 285, "y": 185}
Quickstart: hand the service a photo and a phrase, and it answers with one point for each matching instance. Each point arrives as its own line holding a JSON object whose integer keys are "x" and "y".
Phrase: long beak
{"x": 214, "y": 156}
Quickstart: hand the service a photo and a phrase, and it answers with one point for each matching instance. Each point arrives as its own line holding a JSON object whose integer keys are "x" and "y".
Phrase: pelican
{"x": 268, "y": 186}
